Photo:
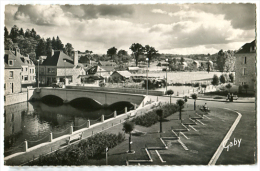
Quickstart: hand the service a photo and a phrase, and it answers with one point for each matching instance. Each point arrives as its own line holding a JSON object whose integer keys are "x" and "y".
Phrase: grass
{"x": 208, "y": 137}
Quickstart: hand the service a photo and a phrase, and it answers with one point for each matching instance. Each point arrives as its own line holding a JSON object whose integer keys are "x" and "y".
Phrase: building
{"x": 12, "y": 78}
{"x": 133, "y": 70}
{"x": 118, "y": 76}
{"x": 104, "y": 71}
{"x": 183, "y": 65}
{"x": 28, "y": 71}
{"x": 195, "y": 65}
{"x": 245, "y": 66}
{"x": 26, "y": 64}
{"x": 59, "y": 67}
{"x": 106, "y": 63}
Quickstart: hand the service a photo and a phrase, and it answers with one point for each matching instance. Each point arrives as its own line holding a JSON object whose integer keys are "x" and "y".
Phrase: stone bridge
{"x": 101, "y": 97}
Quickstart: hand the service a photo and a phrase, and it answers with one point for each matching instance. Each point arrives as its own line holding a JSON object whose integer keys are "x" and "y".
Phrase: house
{"x": 12, "y": 76}
{"x": 245, "y": 66}
{"x": 195, "y": 65}
{"x": 91, "y": 80}
{"x": 104, "y": 71}
{"x": 183, "y": 65}
{"x": 133, "y": 70}
{"x": 59, "y": 67}
{"x": 106, "y": 63}
{"x": 118, "y": 76}
{"x": 28, "y": 71}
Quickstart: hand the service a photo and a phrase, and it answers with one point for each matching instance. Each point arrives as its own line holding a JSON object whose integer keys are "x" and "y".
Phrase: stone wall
{"x": 15, "y": 98}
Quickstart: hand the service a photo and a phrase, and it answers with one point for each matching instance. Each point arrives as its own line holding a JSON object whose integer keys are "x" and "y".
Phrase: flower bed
{"x": 151, "y": 117}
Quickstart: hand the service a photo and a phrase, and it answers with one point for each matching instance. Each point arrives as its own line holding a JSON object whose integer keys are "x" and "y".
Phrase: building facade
{"x": 245, "y": 66}
{"x": 58, "y": 68}
{"x": 12, "y": 73}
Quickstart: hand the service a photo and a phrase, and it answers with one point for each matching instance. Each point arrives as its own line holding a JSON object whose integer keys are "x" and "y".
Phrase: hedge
{"x": 78, "y": 154}
{"x": 151, "y": 117}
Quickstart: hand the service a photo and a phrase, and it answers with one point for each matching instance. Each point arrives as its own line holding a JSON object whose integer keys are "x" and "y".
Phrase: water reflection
{"x": 35, "y": 120}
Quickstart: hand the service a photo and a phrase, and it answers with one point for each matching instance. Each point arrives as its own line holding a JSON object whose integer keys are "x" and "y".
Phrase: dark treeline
{"x": 30, "y": 43}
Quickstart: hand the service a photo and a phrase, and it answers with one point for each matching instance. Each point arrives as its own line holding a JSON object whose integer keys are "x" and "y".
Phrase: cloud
{"x": 95, "y": 11}
{"x": 42, "y": 14}
{"x": 159, "y": 11}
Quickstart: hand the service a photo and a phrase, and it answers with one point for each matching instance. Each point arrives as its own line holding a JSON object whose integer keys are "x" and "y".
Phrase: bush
{"x": 78, "y": 154}
{"x": 169, "y": 92}
{"x": 151, "y": 117}
{"x": 196, "y": 85}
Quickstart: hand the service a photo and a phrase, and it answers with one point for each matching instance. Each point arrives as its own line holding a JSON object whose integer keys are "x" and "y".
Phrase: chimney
{"x": 76, "y": 58}
{"x": 52, "y": 52}
{"x": 17, "y": 51}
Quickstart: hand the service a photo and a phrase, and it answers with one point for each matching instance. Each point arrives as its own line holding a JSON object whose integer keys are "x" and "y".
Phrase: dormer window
{"x": 10, "y": 62}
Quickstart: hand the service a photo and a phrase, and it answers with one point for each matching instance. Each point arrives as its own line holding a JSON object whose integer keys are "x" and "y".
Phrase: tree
{"x": 194, "y": 96}
{"x": 137, "y": 50}
{"x": 182, "y": 60}
{"x": 174, "y": 60}
{"x": 21, "y": 33}
{"x": 40, "y": 49}
{"x": 27, "y": 33}
{"x": 128, "y": 127}
{"x": 8, "y": 43}
{"x": 122, "y": 53}
{"x": 68, "y": 49}
{"x": 160, "y": 115}
{"x": 215, "y": 80}
{"x": 228, "y": 86}
{"x": 231, "y": 77}
{"x": 150, "y": 52}
{"x": 48, "y": 46}
{"x": 180, "y": 103}
{"x": 14, "y": 33}
{"x": 111, "y": 52}
{"x": 222, "y": 79}
{"x": 208, "y": 66}
{"x": 33, "y": 33}
{"x": 226, "y": 61}
{"x": 59, "y": 45}
{"x": 6, "y": 34}
{"x": 246, "y": 86}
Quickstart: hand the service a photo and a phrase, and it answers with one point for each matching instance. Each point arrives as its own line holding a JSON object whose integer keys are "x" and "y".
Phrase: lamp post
{"x": 147, "y": 59}
{"x": 166, "y": 73}
{"x": 65, "y": 72}
{"x": 38, "y": 73}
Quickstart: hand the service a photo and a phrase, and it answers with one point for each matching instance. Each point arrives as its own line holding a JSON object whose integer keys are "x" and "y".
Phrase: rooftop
{"x": 59, "y": 59}
{"x": 247, "y": 48}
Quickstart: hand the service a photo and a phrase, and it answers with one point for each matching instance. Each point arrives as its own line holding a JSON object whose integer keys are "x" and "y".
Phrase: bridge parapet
{"x": 101, "y": 97}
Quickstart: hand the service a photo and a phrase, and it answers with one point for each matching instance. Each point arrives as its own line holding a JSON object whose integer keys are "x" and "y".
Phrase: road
{"x": 245, "y": 131}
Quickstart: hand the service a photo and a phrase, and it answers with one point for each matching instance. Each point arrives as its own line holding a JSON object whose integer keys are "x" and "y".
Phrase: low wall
{"x": 120, "y": 90}
{"x": 15, "y": 98}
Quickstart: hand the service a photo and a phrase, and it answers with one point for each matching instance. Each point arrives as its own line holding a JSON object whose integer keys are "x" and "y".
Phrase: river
{"x": 33, "y": 121}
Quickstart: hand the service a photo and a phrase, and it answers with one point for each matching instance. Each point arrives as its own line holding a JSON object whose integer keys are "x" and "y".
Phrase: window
{"x": 4, "y": 86}
{"x": 244, "y": 71}
{"x": 22, "y": 69}
{"x": 30, "y": 70}
{"x": 26, "y": 78}
{"x": 11, "y": 74}
{"x": 245, "y": 60}
{"x": 11, "y": 62}
{"x": 50, "y": 70}
{"x": 22, "y": 77}
{"x": 26, "y": 68}
{"x": 30, "y": 77}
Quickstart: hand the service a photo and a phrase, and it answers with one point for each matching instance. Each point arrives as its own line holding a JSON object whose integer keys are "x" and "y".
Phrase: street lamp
{"x": 166, "y": 73}
{"x": 38, "y": 72}
{"x": 147, "y": 59}
{"x": 65, "y": 72}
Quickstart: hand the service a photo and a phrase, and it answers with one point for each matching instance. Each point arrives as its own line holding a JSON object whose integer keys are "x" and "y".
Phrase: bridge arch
{"x": 52, "y": 100}
{"x": 86, "y": 103}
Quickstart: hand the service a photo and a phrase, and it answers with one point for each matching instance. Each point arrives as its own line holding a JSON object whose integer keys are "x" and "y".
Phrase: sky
{"x": 169, "y": 28}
